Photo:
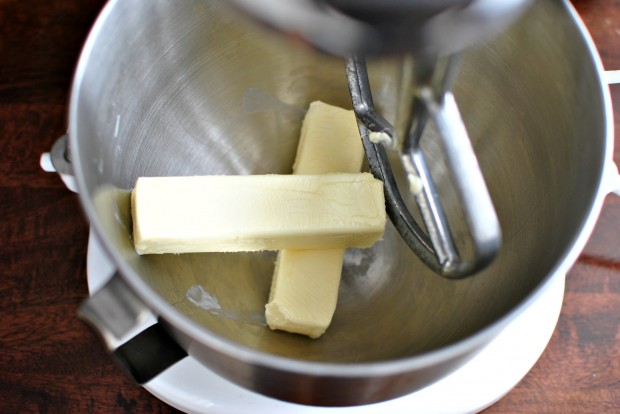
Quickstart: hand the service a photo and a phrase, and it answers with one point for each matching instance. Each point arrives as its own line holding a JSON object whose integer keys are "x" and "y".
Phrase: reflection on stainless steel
{"x": 198, "y": 296}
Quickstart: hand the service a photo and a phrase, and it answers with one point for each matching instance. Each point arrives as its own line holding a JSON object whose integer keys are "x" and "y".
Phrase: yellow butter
{"x": 256, "y": 212}
{"x": 304, "y": 289}
{"x": 329, "y": 141}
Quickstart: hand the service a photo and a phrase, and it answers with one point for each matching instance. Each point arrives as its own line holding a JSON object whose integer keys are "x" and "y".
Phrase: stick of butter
{"x": 256, "y": 212}
{"x": 304, "y": 289}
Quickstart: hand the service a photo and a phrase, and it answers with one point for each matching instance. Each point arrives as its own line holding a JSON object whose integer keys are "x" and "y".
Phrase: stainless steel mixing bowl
{"x": 186, "y": 87}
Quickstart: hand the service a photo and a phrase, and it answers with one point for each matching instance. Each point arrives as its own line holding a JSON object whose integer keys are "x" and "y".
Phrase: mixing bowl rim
{"x": 363, "y": 369}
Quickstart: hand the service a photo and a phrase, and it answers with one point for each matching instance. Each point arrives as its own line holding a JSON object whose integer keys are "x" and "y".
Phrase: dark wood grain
{"x": 51, "y": 362}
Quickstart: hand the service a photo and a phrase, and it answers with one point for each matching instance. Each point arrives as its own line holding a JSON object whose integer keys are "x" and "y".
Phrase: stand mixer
{"x": 432, "y": 34}
{"x": 196, "y": 91}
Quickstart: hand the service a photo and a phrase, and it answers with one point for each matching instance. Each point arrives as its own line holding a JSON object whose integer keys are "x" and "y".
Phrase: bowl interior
{"x": 200, "y": 90}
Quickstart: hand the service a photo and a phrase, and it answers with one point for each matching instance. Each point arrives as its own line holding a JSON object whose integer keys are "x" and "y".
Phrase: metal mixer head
{"x": 432, "y": 33}
{"x": 379, "y": 27}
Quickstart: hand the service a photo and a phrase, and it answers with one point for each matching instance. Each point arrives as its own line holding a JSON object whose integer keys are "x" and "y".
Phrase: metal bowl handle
{"x": 144, "y": 349}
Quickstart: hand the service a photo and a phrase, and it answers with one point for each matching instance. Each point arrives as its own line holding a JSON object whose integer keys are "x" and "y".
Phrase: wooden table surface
{"x": 51, "y": 362}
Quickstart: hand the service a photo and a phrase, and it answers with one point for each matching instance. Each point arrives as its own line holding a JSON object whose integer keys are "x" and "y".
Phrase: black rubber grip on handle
{"x": 149, "y": 353}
